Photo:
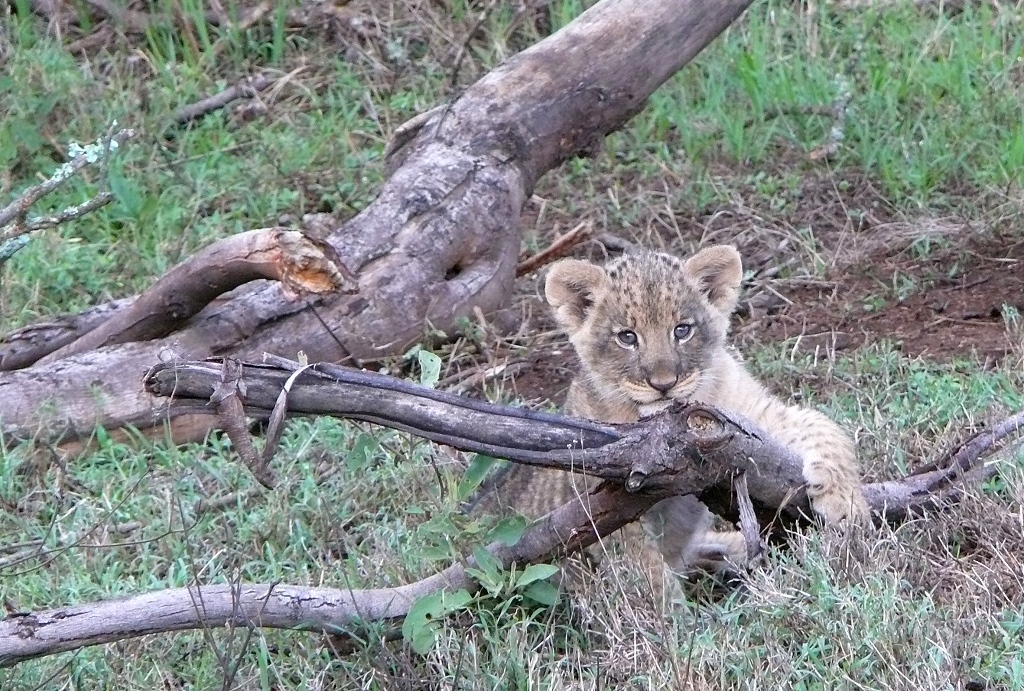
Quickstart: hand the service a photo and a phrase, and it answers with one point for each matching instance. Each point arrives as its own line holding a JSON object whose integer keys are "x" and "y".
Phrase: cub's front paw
{"x": 841, "y": 505}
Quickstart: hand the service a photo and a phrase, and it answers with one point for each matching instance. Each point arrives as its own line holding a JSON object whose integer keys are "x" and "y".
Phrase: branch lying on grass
{"x": 938, "y": 480}
{"x": 553, "y": 441}
{"x": 25, "y": 636}
{"x": 312, "y": 13}
{"x": 28, "y": 344}
{"x": 524, "y": 436}
{"x": 302, "y": 265}
{"x": 246, "y": 88}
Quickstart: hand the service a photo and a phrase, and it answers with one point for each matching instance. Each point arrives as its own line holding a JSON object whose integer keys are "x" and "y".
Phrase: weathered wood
{"x": 25, "y": 636}
{"x": 300, "y": 264}
{"x": 683, "y": 451}
{"x": 442, "y": 236}
{"x": 648, "y": 455}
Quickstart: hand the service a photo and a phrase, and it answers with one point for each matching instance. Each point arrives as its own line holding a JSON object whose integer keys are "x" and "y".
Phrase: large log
{"x": 440, "y": 239}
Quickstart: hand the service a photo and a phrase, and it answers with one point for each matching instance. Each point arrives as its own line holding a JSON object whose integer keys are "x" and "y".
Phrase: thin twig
{"x": 80, "y": 158}
{"x": 68, "y": 214}
{"x": 453, "y": 76}
{"x": 556, "y": 250}
{"x": 246, "y": 88}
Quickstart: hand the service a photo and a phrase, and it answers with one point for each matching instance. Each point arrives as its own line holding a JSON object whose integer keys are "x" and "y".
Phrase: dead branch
{"x": 749, "y": 526}
{"x": 562, "y": 245}
{"x": 246, "y": 88}
{"x": 228, "y": 399}
{"x": 939, "y": 480}
{"x": 684, "y": 451}
{"x": 774, "y": 476}
{"x": 29, "y": 344}
{"x": 11, "y": 216}
{"x": 25, "y": 636}
{"x": 301, "y": 264}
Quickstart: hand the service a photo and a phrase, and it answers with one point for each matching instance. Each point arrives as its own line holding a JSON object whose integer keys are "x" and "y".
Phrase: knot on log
{"x": 636, "y": 479}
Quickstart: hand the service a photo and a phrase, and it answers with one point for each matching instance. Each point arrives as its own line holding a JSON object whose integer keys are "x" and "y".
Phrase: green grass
{"x": 934, "y": 124}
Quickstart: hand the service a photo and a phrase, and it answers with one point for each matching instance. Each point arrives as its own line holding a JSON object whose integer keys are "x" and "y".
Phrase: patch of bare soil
{"x": 947, "y": 304}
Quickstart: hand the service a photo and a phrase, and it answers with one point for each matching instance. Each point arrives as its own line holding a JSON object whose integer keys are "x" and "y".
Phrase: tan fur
{"x": 622, "y": 320}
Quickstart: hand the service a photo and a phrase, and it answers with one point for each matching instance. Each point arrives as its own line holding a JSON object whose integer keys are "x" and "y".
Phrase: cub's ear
{"x": 572, "y": 287}
{"x": 717, "y": 272}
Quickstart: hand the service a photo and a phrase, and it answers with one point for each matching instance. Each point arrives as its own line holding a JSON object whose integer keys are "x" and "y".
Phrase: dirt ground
{"x": 956, "y": 309}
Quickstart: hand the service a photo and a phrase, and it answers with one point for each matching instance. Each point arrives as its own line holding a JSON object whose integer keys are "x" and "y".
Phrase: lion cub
{"x": 650, "y": 329}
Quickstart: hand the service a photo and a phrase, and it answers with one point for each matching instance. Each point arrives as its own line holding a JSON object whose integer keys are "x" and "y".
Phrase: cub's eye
{"x": 682, "y": 332}
{"x": 626, "y": 338}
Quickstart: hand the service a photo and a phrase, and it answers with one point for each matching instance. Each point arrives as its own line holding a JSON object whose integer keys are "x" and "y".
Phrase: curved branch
{"x": 24, "y": 636}
{"x": 650, "y": 453}
{"x": 301, "y": 264}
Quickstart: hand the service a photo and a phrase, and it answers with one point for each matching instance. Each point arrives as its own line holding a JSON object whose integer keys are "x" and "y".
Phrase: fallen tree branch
{"x": 937, "y": 481}
{"x": 685, "y": 451}
{"x": 775, "y": 479}
{"x": 246, "y": 88}
{"x": 25, "y": 636}
{"x": 302, "y": 265}
{"x": 29, "y": 344}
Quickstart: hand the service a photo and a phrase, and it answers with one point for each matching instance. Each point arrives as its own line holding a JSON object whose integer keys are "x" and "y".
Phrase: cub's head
{"x": 646, "y": 326}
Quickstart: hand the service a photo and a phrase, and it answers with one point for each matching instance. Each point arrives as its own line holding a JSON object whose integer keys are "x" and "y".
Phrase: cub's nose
{"x": 663, "y": 383}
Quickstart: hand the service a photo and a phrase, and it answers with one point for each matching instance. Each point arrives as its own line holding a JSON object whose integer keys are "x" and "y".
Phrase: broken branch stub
{"x": 302, "y": 265}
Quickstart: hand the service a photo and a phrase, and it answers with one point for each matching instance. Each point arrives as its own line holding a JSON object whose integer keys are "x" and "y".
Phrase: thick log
{"x": 441, "y": 238}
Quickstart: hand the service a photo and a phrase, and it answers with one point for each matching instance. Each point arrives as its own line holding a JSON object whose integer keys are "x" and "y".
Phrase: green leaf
{"x": 542, "y": 592}
{"x": 442, "y": 524}
{"x": 432, "y": 553}
{"x": 534, "y": 573}
{"x": 488, "y": 571}
{"x": 420, "y": 627}
{"x": 486, "y": 561}
{"x": 362, "y": 452}
{"x": 430, "y": 368}
{"x": 475, "y": 473}
{"x": 508, "y": 530}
